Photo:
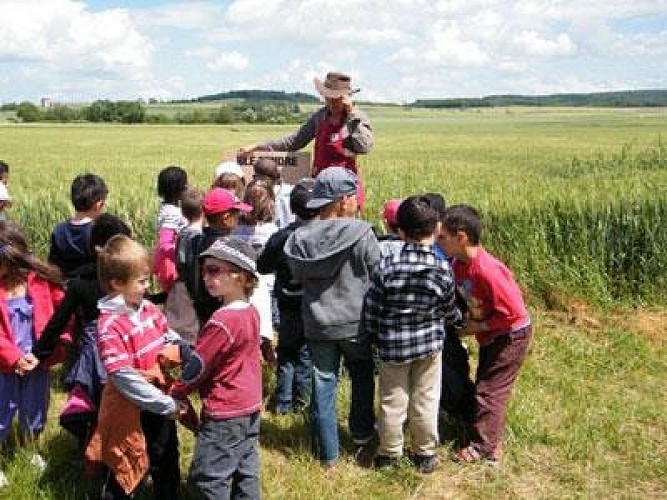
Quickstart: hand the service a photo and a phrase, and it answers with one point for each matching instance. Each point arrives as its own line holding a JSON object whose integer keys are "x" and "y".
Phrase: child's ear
{"x": 98, "y": 206}
{"x": 115, "y": 284}
{"x": 462, "y": 237}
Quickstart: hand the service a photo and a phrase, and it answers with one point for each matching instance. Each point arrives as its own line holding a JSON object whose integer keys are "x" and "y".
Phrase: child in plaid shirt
{"x": 406, "y": 310}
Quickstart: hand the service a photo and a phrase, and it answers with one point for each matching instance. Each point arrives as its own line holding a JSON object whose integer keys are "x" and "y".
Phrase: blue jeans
{"x": 294, "y": 367}
{"x": 226, "y": 459}
{"x": 326, "y": 356}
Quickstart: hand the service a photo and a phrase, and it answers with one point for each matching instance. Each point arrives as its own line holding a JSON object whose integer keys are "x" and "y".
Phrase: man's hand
{"x": 347, "y": 104}
{"x": 248, "y": 150}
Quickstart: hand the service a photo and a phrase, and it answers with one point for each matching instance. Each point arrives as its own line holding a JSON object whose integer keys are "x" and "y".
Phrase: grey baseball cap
{"x": 331, "y": 184}
{"x": 234, "y": 251}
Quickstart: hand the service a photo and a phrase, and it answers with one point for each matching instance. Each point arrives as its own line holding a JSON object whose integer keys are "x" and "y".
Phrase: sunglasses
{"x": 215, "y": 271}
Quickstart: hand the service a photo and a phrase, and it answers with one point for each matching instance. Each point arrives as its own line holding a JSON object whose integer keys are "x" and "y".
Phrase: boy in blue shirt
{"x": 69, "y": 239}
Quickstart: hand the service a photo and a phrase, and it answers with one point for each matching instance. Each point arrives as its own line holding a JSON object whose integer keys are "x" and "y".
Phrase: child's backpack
{"x": 188, "y": 250}
{"x": 187, "y": 261}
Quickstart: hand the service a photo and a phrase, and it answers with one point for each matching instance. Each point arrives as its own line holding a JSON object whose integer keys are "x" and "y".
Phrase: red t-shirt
{"x": 492, "y": 295}
{"x": 129, "y": 338}
{"x": 230, "y": 378}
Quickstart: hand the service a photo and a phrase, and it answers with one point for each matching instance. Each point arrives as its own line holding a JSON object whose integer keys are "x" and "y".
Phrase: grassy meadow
{"x": 575, "y": 200}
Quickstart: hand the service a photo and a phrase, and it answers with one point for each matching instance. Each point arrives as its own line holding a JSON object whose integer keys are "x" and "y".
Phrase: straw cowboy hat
{"x": 335, "y": 85}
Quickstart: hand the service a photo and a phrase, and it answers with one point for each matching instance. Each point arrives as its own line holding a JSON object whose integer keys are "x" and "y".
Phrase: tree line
{"x": 630, "y": 98}
{"x": 137, "y": 112}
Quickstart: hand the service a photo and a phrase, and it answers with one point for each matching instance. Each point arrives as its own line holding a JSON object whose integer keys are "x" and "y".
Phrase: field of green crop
{"x": 574, "y": 200}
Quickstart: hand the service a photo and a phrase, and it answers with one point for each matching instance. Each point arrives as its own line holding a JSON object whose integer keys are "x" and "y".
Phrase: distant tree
{"x": 130, "y": 112}
{"x": 225, "y": 114}
{"x": 61, "y": 114}
{"x": 160, "y": 118}
{"x": 99, "y": 111}
{"x": 28, "y": 112}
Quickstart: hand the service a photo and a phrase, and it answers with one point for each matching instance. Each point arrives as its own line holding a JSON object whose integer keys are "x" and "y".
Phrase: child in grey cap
{"x": 334, "y": 257}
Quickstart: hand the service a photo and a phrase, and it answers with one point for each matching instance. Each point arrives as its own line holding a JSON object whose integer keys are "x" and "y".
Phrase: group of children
{"x": 234, "y": 264}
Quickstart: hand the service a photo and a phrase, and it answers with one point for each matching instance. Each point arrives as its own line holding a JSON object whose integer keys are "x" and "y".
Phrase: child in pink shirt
{"x": 171, "y": 184}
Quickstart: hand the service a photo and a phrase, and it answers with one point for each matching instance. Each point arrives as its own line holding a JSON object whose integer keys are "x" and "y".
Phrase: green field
{"x": 575, "y": 200}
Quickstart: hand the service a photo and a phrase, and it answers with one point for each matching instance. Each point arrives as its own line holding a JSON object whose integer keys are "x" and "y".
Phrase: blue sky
{"x": 396, "y": 50}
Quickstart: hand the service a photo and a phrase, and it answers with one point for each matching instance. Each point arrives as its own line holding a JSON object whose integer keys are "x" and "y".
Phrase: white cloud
{"x": 393, "y": 49}
{"x": 185, "y": 15}
{"x": 532, "y": 43}
{"x": 445, "y": 44}
{"x": 368, "y": 36}
{"x": 642, "y": 44}
{"x": 205, "y": 52}
{"x": 67, "y": 37}
{"x": 228, "y": 61}
{"x": 511, "y": 66}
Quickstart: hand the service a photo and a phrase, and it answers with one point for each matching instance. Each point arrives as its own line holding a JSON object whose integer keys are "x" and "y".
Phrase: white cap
{"x": 228, "y": 167}
{"x": 4, "y": 194}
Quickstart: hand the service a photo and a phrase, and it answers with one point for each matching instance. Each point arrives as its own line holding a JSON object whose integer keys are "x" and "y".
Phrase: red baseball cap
{"x": 219, "y": 200}
{"x": 390, "y": 210}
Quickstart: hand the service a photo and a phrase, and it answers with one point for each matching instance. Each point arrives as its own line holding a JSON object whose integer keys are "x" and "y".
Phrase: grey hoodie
{"x": 334, "y": 260}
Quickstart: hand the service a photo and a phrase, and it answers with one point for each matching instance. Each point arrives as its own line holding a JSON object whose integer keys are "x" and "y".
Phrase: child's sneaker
{"x": 38, "y": 462}
{"x": 383, "y": 461}
{"x": 426, "y": 464}
{"x": 363, "y": 441}
{"x": 4, "y": 482}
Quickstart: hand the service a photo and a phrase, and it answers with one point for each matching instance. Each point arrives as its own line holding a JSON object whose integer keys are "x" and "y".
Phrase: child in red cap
{"x": 390, "y": 242}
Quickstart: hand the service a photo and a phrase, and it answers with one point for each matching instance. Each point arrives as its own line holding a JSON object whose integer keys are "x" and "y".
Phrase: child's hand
{"x": 26, "y": 364}
{"x": 268, "y": 353}
{"x": 187, "y": 416}
{"x": 472, "y": 327}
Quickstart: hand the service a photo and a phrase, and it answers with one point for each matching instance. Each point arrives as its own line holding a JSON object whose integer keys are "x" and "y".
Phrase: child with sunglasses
{"x": 226, "y": 371}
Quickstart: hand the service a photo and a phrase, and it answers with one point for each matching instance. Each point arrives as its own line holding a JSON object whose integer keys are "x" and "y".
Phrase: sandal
{"x": 470, "y": 455}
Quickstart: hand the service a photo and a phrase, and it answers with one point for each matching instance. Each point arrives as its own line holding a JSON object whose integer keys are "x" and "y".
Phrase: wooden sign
{"x": 293, "y": 166}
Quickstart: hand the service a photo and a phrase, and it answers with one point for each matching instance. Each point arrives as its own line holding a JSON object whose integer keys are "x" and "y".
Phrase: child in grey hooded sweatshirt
{"x": 334, "y": 257}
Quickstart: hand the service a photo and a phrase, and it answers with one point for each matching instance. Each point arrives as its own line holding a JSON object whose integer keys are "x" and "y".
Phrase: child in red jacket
{"x": 29, "y": 293}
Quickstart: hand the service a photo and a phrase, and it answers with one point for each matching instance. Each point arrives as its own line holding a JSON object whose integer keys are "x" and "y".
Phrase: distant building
{"x": 46, "y": 102}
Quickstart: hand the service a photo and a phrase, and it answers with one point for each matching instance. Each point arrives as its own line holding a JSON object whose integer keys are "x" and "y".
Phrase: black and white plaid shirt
{"x": 409, "y": 304}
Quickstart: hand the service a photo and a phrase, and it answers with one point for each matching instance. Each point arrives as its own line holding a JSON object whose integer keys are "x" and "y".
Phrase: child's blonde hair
{"x": 249, "y": 282}
{"x": 17, "y": 259}
{"x": 121, "y": 259}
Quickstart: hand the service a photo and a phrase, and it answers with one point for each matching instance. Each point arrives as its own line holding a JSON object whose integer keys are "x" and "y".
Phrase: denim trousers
{"x": 293, "y": 384}
{"x": 358, "y": 360}
{"x": 226, "y": 459}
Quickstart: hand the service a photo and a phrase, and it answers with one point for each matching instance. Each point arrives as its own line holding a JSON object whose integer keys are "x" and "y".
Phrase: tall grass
{"x": 609, "y": 253}
{"x": 574, "y": 201}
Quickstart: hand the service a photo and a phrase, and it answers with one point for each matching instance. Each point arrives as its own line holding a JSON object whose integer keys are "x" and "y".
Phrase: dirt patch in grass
{"x": 651, "y": 323}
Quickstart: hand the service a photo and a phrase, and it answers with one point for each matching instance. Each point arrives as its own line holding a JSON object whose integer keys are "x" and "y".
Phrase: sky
{"x": 395, "y": 50}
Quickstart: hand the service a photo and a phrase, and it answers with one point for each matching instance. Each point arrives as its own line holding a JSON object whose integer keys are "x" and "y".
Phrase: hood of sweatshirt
{"x": 319, "y": 248}
{"x": 115, "y": 304}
